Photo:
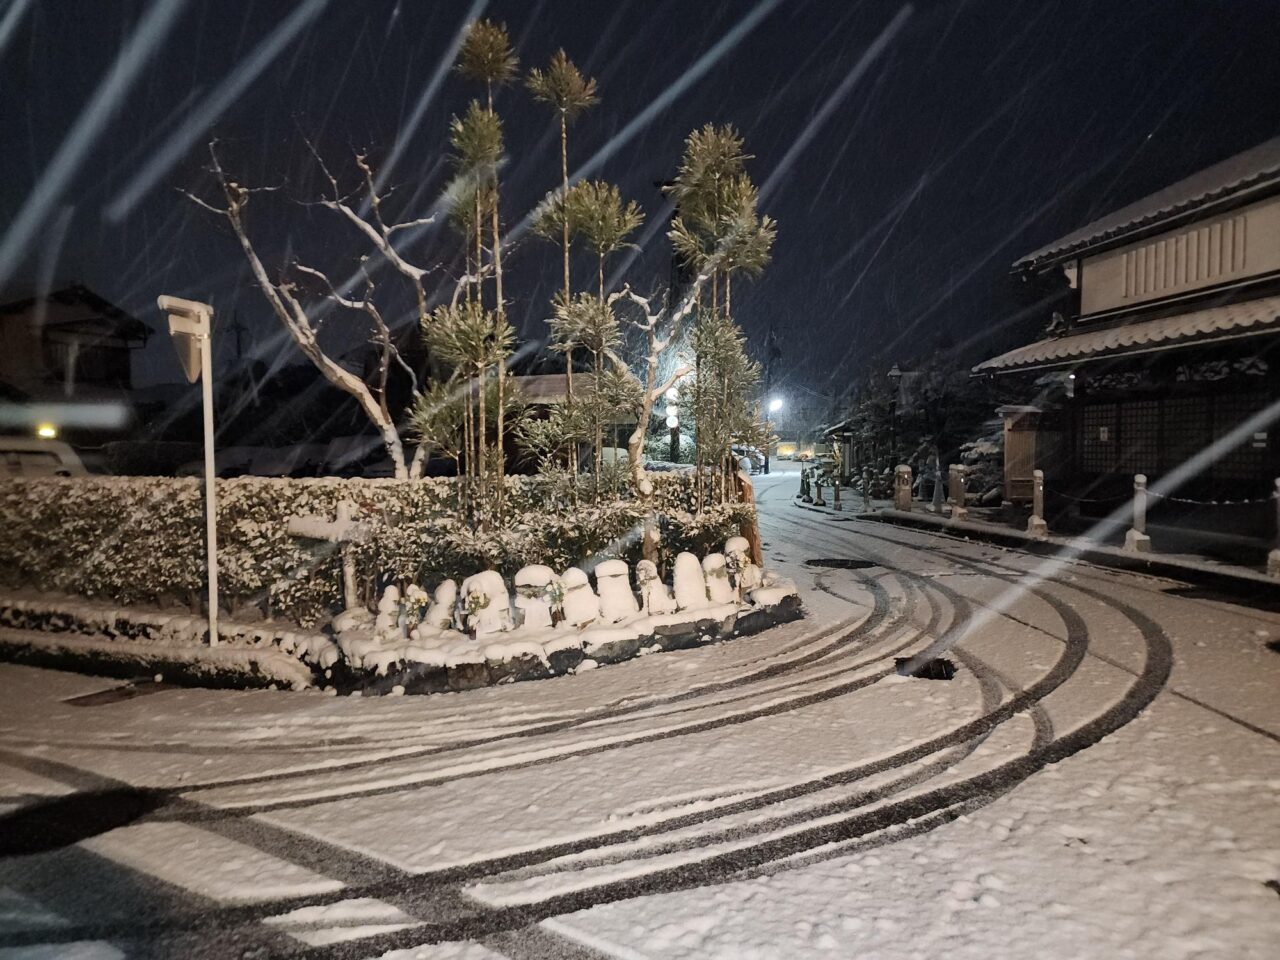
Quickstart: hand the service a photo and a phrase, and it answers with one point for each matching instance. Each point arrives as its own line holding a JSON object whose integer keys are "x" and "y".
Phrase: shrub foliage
{"x": 141, "y": 539}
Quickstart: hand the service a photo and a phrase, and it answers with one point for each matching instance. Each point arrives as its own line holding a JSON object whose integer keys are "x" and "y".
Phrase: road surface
{"x": 1098, "y": 778}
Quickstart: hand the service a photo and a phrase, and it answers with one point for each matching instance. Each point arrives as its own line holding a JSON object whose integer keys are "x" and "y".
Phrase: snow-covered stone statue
{"x": 580, "y": 605}
{"x": 440, "y": 612}
{"x": 387, "y": 623}
{"x": 655, "y": 598}
{"x": 689, "y": 583}
{"x": 532, "y": 598}
{"x": 746, "y": 575}
{"x": 486, "y": 606}
{"x": 613, "y": 584}
{"x": 719, "y": 589}
{"x": 413, "y": 606}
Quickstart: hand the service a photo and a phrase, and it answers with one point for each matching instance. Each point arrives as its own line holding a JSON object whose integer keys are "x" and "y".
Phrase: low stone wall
{"x": 77, "y": 635}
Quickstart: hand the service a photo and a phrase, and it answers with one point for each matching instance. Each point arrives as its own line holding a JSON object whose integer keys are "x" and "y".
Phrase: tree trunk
{"x": 482, "y": 439}
{"x": 564, "y": 246}
{"x": 500, "y": 321}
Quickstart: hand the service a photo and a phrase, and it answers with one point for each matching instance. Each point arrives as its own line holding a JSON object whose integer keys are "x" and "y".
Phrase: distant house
{"x": 1171, "y": 340}
{"x": 65, "y": 359}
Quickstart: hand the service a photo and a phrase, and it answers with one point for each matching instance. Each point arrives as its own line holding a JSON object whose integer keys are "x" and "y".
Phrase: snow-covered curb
{"x": 76, "y": 634}
{"x": 123, "y": 641}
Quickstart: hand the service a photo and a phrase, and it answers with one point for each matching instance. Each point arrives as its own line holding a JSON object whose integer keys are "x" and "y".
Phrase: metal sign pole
{"x": 191, "y": 326}
{"x": 210, "y": 488}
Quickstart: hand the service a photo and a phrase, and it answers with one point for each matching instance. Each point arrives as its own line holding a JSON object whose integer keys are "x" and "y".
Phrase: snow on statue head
{"x": 746, "y": 575}
{"x": 439, "y": 615}
{"x": 690, "y": 585}
{"x": 486, "y": 606}
{"x": 719, "y": 589}
{"x": 654, "y": 595}
{"x": 613, "y": 584}
{"x": 580, "y": 604}
{"x": 532, "y": 583}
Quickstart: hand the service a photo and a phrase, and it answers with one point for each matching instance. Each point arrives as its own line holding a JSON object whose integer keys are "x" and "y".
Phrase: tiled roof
{"x": 1214, "y": 323}
{"x": 1254, "y": 169}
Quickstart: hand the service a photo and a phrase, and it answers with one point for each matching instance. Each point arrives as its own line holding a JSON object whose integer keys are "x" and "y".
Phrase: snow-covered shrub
{"x": 141, "y": 539}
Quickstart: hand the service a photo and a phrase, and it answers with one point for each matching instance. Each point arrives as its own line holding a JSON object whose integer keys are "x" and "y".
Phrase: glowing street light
{"x": 775, "y": 404}
{"x": 47, "y": 431}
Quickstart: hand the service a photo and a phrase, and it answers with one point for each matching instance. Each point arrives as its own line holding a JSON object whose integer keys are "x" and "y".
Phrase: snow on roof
{"x": 1214, "y": 323}
{"x": 1255, "y": 170}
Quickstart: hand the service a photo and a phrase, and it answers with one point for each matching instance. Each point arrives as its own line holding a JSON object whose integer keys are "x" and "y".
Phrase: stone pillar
{"x": 1036, "y": 527}
{"x": 866, "y": 490}
{"x": 835, "y": 495}
{"x": 958, "y": 509}
{"x": 1273, "y": 558}
{"x": 817, "y": 490}
{"x": 902, "y": 488}
{"x": 1136, "y": 539}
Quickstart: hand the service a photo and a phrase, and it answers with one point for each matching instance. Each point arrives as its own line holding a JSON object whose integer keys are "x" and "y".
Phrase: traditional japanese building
{"x": 1171, "y": 340}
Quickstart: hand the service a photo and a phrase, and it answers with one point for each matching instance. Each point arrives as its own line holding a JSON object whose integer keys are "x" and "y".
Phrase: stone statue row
{"x": 482, "y": 606}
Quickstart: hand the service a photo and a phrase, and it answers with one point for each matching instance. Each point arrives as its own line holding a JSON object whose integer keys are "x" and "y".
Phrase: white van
{"x": 28, "y": 457}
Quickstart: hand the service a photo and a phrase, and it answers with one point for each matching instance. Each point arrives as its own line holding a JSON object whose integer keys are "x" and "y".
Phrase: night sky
{"x": 909, "y": 154}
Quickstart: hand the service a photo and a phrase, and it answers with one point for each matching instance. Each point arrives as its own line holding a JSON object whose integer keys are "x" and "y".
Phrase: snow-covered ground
{"x": 1098, "y": 780}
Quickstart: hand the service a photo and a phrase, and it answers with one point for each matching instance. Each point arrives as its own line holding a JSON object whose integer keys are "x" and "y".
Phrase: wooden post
{"x": 1136, "y": 540}
{"x": 343, "y": 532}
{"x": 749, "y": 528}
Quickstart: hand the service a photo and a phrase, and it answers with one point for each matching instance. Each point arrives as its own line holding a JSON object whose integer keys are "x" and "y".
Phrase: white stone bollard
{"x": 1036, "y": 527}
{"x": 866, "y": 490}
{"x": 959, "y": 508}
{"x": 902, "y": 488}
{"x": 1136, "y": 539}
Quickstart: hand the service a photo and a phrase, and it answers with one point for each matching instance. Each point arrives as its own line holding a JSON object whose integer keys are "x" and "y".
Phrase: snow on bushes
{"x": 141, "y": 539}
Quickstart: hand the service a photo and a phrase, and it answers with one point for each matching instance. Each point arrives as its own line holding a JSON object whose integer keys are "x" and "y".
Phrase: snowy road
{"x": 1098, "y": 779}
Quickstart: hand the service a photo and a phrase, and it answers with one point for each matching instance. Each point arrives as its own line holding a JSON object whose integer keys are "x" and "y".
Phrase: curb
{"x": 1235, "y": 582}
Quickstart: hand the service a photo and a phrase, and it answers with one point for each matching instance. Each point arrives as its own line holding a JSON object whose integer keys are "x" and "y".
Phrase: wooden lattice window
{"x": 1139, "y": 440}
{"x": 1187, "y": 429}
{"x": 1098, "y": 438}
{"x": 1248, "y": 460}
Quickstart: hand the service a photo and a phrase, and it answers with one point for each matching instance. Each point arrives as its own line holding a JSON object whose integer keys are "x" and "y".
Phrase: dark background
{"x": 983, "y": 130}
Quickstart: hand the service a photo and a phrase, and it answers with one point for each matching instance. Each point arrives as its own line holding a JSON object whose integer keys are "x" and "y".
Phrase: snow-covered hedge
{"x": 141, "y": 539}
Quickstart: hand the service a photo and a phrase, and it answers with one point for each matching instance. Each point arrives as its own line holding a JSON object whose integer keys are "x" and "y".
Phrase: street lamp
{"x": 895, "y": 374}
{"x": 774, "y": 405}
{"x": 673, "y": 422}
{"x": 190, "y": 324}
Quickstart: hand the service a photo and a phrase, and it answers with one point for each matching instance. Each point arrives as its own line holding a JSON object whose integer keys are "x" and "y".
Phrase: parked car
{"x": 26, "y": 457}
